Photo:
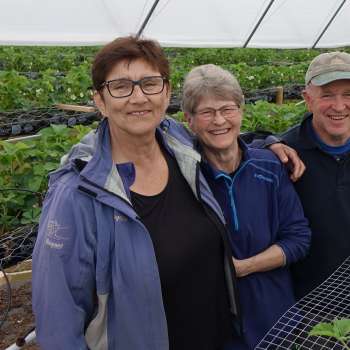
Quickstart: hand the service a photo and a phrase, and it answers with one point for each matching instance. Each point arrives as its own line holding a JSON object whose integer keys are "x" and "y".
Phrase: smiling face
{"x": 137, "y": 114}
{"x": 218, "y": 134}
{"x": 330, "y": 105}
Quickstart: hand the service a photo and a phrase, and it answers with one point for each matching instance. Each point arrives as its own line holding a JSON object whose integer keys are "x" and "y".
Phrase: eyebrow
{"x": 226, "y": 105}
{"x": 327, "y": 90}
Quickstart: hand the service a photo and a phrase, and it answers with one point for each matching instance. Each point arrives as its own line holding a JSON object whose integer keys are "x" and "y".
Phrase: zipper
{"x": 231, "y": 278}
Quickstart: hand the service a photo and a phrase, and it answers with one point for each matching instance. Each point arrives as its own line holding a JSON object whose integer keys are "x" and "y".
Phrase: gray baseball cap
{"x": 328, "y": 67}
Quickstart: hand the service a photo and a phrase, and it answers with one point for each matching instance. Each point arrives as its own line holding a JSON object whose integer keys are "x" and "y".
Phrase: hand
{"x": 241, "y": 267}
{"x": 290, "y": 158}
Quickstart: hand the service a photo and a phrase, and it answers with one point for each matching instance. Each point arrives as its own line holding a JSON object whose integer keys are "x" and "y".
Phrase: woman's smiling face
{"x": 137, "y": 114}
{"x": 220, "y": 132}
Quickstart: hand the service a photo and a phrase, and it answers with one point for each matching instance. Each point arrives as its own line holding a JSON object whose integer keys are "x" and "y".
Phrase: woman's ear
{"x": 100, "y": 103}
{"x": 166, "y": 99}
{"x": 168, "y": 92}
{"x": 190, "y": 120}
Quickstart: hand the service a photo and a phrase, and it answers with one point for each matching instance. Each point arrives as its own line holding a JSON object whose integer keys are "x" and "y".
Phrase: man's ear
{"x": 100, "y": 103}
{"x": 307, "y": 99}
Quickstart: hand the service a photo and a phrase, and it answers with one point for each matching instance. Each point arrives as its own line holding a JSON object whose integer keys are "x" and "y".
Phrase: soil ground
{"x": 20, "y": 319}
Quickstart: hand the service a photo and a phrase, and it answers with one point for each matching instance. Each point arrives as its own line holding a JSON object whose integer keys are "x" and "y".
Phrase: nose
{"x": 137, "y": 95}
{"x": 218, "y": 118}
{"x": 339, "y": 103}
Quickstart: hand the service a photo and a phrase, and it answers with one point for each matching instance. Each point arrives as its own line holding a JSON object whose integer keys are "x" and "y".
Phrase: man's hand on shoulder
{"x": 290, "y": 158}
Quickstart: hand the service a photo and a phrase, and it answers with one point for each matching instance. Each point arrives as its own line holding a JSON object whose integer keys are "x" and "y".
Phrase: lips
{"x": 337, "y": 117}
{"x": 219, "y": 132}
{"x": 139, "y": 113}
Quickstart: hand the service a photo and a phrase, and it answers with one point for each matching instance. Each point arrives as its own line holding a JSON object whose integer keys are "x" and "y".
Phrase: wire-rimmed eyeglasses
{"x": 226, "y": 111}
{"x": 119, "y": 88}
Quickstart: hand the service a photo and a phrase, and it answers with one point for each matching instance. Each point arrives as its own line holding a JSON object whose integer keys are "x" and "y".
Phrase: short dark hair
{"x": 128, "y": 48}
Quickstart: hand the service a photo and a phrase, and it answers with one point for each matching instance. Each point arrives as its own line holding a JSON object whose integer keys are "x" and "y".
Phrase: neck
{"x": 138, "y": 149}
{"x": 225, "y": 160}
{"x": 329, "y": 140}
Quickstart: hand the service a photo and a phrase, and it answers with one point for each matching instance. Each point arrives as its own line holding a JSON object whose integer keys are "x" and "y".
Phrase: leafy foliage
{"x": 32, "y": 77}
{"x": 25, "y": 165}
{"x": 271, "y": 117}
{"x": 40, "y": 76}
{"x": 23, "y": 172}
{"x": 338, "y": 329}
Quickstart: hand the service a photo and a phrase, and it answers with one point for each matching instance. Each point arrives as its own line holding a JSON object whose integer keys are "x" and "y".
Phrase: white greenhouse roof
{"x": 185, "y": 23}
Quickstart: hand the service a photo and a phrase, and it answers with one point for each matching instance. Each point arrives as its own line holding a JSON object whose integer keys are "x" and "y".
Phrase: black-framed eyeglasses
{"x": 119, "y": 88}
{"x": 226, "y": 111}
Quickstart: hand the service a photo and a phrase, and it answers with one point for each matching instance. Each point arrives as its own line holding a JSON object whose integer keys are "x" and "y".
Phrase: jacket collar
{"x": 215, "y": 173}
{"x": 101, "y": 172}
{"x": 304, "y": 139}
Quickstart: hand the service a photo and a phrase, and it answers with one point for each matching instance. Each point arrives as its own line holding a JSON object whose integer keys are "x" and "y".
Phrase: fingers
{"x": 280, "y": 150}
{"x": 295, "y": 165}
{"x": 289, "y": 156}
{"x": 298, "y": 169}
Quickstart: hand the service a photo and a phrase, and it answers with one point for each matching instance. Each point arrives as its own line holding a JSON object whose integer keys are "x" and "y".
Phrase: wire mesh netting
{"x": 329, "y": 301}
{"x": 29, "y": 122}
{"x": 17, "y": 245}
{"x": 25, "y": 122}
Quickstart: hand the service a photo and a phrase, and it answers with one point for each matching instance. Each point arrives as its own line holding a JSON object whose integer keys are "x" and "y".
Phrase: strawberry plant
{"x": 32, "y": 77}
{"x": 338, "y": 329}
{"x": 24, "y": 167}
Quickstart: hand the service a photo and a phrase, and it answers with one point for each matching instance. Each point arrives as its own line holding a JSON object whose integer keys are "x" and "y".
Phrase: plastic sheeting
{"x": 184, "y": 23}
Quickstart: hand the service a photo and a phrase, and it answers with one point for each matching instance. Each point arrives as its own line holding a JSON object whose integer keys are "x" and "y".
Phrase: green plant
{"x": 338, "y": 329}
{"x": 33, "y": 77}
{"x": 24, "y": 167}
{"x": 271, "y": 117}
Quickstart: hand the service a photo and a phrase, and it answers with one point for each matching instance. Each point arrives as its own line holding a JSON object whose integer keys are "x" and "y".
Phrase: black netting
{"x": 292, "y": 92}
{"x": 29, "y": 122}
{"x": 17, "y": 245}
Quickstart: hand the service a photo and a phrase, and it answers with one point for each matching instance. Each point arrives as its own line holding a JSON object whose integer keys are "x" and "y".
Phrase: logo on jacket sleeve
{"x": 263, "y": 178}
{"x": 55, "y": 234}
{"x": 120, "y": 218}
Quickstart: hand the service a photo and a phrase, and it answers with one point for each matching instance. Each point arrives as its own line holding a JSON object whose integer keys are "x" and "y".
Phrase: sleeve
{"x": 294, "y": 235}
{"x": 63, "y": 283}
{"x": 260, "y": 139}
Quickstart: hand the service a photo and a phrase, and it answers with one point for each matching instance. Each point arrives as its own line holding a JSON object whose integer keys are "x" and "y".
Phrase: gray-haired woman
{"x": 267, "y": 227}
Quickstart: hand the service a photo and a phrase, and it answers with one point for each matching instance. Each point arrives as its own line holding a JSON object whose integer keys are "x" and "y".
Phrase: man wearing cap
{"x": 323, "y": 143}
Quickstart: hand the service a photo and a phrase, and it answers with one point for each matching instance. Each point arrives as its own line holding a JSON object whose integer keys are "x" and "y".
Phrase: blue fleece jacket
{"x": 262, "y": 209}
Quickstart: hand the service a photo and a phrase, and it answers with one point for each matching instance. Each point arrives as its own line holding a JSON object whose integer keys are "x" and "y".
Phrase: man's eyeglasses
{"x": 226, "y": 111}
{"x": 119, "y": 88}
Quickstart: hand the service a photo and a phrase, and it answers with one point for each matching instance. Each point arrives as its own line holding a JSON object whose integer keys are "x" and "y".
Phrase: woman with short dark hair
{"x": 130, "y": 252}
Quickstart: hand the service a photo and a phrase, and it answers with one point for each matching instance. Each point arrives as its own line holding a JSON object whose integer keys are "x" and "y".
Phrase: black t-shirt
{"x": 190, "y": 256}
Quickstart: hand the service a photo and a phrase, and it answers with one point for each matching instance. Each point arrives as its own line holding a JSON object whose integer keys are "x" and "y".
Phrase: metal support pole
{"x": 147, "y": 19}
{"x": 328, "y": 24}
{"x": 258, "y": 24}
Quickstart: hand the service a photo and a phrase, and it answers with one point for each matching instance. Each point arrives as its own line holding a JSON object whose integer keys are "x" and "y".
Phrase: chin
{"x": 221, "y": 146}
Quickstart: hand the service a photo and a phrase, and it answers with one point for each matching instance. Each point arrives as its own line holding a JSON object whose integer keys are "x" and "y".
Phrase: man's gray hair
{"x": 209, "y": 80}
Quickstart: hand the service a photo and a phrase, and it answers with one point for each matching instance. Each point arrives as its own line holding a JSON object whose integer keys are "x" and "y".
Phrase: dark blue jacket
{"x": 262, "y": 209}
{"x": 324, "y": 190}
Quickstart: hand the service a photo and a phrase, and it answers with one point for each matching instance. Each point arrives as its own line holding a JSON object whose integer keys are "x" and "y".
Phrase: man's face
{"x": 330, "y": 105}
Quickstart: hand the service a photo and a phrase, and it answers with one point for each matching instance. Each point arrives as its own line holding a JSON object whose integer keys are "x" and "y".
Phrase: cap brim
{"x": 326, "y": 78}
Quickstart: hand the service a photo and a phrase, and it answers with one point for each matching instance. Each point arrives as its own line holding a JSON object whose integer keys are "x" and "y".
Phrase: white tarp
{"x": 185, "y": 23}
